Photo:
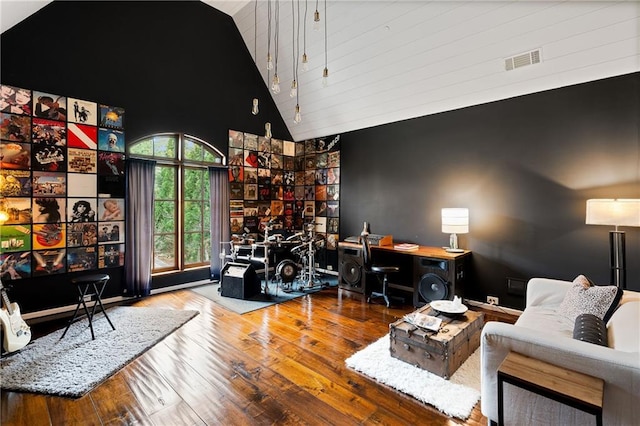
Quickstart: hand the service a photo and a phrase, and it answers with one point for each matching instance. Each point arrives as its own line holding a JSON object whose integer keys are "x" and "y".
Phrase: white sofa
{"x": 542, "y": 333}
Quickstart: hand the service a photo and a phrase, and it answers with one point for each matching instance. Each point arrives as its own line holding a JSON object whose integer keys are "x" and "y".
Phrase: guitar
{"x": 17, "y": 333}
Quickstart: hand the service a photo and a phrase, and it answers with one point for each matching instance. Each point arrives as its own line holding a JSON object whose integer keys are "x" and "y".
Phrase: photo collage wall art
{"x": 61, "y": 184}
{"x": 287, "y": 183}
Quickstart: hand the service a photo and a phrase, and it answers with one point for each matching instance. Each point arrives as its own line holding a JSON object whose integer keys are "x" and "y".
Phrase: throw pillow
{"x": 589, "y": 328}
{"x": 586, "y": 298}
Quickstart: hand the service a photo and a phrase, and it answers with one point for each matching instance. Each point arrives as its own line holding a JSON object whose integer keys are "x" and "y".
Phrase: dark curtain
{"x": 139, "y": 235}
{"x": 220, "y": 234}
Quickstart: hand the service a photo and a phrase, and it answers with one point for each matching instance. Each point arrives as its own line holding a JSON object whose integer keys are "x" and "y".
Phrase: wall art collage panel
{"x": 61, "y": 184}
{"x": 288, "y": 184}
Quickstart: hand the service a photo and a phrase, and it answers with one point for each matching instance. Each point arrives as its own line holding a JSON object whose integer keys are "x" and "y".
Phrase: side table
{"x": 89, "y": 285}
{"x": 572, "y": 388}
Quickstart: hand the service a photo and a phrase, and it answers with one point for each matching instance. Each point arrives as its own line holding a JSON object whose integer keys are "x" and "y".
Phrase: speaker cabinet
{"x": 351, "y": 274}
{"x": 239, "y": 280}
{"x": 437, "y": 279}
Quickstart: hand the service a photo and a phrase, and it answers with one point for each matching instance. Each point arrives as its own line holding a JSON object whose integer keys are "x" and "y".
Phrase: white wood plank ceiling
{"x": 394, "y": 60}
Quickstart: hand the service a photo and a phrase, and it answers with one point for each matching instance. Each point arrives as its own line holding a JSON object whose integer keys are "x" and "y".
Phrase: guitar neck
{"x": 5, "y": 299}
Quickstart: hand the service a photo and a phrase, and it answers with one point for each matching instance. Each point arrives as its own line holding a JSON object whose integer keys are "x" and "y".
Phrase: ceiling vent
{"x": 522, "y": 60}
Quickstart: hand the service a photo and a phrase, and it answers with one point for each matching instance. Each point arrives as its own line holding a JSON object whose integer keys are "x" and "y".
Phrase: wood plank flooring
{"x": 280, "y": 365}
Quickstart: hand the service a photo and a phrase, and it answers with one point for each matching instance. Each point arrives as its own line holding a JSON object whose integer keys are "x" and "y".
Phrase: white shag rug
{"x": 74, "y": 365}
{"x": 455, "y": 397}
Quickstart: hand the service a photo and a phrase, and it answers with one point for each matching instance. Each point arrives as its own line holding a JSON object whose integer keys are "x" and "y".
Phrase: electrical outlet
{"x": 493, "y": 300}
{"x": 88, "y": 297}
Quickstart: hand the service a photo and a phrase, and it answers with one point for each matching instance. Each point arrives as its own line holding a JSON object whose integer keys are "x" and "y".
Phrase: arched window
{"x": 181, "y": 236}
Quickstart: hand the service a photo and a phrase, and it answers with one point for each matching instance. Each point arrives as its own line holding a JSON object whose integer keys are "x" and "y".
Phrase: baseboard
{"x": 63, "y": 311}
{"x": 496, "y": 308}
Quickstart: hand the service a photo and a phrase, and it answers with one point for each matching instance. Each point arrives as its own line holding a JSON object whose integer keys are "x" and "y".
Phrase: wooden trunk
{"x": 439, "y": 352}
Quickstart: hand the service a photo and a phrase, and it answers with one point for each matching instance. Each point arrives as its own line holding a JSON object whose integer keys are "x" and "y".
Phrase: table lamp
{"x": 615, "y": 212}
{"x": 455, "y": 221}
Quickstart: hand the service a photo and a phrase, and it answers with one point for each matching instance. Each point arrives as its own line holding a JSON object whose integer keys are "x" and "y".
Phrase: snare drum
{"x": 287, "y": 270}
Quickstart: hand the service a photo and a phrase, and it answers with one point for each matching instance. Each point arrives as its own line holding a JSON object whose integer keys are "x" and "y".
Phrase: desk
{"x": 453, "y": 268}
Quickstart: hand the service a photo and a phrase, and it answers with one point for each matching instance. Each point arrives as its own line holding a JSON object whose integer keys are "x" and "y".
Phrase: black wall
{"x": 174, "y": 66}
{"x": 524, "y": 167}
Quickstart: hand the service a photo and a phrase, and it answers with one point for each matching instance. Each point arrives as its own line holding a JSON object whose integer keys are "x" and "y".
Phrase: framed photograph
{"x": 111, "y": 232}
{"x": 48, "y": 158}
{"x": 49, "y": 184}
{"x": 81, "y": 136}
{"x": 111, "y": 186}
{"x": 251, "y": 191}
{"x": 236, "y": 157}
{"x": 111, "y": 140}
{"x": 333, "y": 192}
{"x": 15, "y": 100}
{"x": 49, "y": 236}
{"x": 14, "y": 155}
{"x": 237, "y": 223}
{"x": 15, "y": 238}
{"x": 81, "y": 185}
{"x": 236, "y": 174}
{"x": 82, "y": 160}
{"x": 276, "y": 146}
{"x": 49, "y": 132}
{"x": 49, "y": 209}
{"x": 15, "y": 266}
{"x": 236, "y": 139}
{"x": 48, "y": 262}
{"x": 264, "y": 144}
{"x": 110, "y": 255}
{"x": 82, "y": 259}
{"x": 111, "y": 209}
{"x": 80, "y": 210}
{"x": 111, "y": 117}
{"x": 250, "y": 142}
{"x": 82, "y": 112}
{"x": 110, "y": 163}
{"x": 289, "y": 148}
{"x": 236, "y": 190}
{"x": 18, "y": 210}
{"x": 251, "y": 158}
{"x": 15, "y": 128}
{"x": 82, "y": 234}
{"x": 50, "y": 106}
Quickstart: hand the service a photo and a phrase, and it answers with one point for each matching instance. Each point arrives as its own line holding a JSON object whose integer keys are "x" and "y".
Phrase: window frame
{"x": 181, "y": 164}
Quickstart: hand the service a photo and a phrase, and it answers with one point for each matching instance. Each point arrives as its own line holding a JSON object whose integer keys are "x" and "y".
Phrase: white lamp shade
{"x": 455, "y": 220}
{"x": 613, "y": 212}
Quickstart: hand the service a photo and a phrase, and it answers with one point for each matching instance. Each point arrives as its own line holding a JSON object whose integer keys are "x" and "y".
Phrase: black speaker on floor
{"x": 436, "y": 279}
{"x": 239, "y": 280}
{"x": 351, "y": 275}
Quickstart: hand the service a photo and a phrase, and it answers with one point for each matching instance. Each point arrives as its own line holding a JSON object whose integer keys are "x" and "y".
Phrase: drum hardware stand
{"x": 308, "y": 274}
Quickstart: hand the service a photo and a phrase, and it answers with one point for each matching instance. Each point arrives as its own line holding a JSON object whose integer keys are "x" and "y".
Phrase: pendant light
{"x": 254, "y": 104}
{"x": 294, "y": 62}
{"x": 305, "y": 59}
{"x": 275, "y": 83}
{"x": 316, "y": 18}
{"x": 325, "y": 72}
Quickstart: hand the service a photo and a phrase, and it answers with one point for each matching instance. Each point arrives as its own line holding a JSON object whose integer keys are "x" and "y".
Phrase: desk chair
{"x": 376, "y": 269}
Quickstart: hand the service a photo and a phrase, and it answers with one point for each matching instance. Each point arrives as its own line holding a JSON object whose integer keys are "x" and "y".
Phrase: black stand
{"x": 84, "y": 284}
{"x": 617, "y": 259}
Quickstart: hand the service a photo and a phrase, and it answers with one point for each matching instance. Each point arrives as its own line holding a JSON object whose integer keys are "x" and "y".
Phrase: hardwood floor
{"x": 280, "y": 365}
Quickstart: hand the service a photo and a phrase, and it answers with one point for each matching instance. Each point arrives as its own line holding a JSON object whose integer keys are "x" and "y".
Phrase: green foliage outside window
{"x": 181, "y": 198}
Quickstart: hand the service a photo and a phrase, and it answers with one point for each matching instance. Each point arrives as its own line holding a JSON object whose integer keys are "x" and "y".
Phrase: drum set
{"x": 300, "y": 270}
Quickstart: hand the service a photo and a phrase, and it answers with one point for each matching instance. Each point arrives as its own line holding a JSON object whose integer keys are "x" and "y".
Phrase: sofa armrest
{"x": 619, "y": 370}
{"x": 546, "y": 291}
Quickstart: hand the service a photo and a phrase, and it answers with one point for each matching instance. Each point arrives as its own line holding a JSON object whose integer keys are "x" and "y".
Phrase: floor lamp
{"x": 615, "y": 212}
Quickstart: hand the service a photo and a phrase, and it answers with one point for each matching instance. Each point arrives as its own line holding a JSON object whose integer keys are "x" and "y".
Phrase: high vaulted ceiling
{"x": 395, "y": 60}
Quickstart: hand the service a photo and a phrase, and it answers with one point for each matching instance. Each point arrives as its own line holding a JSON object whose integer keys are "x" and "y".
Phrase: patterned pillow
{"x": 586, "y": 298}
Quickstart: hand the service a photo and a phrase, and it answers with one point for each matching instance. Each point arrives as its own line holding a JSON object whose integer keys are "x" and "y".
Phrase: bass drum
{"x": 287, "y": 270}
